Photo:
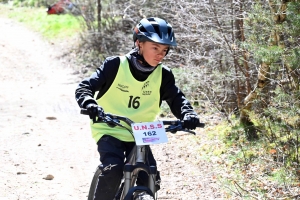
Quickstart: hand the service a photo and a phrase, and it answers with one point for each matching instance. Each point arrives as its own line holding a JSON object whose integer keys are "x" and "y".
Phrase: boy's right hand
{"x": 94, "y": 111}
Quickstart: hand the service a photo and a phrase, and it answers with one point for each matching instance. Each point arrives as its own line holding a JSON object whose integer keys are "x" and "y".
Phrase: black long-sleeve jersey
{"x": 101, "y": 80}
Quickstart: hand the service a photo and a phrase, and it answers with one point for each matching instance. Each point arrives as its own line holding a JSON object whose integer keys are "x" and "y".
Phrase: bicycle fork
{"x": 131, "y": 171}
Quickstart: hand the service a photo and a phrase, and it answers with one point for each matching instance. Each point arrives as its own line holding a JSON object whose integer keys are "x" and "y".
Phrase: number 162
{"x": 150, "y": 133}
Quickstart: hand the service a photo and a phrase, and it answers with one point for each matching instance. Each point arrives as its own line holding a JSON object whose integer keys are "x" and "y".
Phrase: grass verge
{"x": 51, "y": 27}
{"x": 248, "y": 170}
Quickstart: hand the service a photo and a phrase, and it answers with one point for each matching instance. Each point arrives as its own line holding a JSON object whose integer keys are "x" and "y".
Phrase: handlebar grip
{"x": 169, "y": 122}
{"x": 201, "y": 125}
{"x": 84, "y": 111}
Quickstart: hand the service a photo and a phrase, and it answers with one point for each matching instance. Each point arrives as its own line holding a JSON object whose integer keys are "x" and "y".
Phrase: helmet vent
{"x": 156, "y": 28}
{"x": 169, "y": 31}
{"x": 142, "y": 29}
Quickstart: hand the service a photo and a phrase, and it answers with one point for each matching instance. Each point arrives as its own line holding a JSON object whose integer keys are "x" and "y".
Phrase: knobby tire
{"x": 94, "y": 184}
{"x": 143, "y": 196}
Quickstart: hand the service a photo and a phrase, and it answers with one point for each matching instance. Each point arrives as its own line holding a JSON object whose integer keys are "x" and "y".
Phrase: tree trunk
{"x": 276, "y": 38}
{"x": 262, "y": 80}
{"x": 99, "y": 8}
{"x": 240, "y": 36}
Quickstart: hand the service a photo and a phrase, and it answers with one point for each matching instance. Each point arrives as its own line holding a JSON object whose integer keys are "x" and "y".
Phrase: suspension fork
{"x": 152, "y": 178}
{"x": 131, "y": 171}
{"x": 128, "y": 168}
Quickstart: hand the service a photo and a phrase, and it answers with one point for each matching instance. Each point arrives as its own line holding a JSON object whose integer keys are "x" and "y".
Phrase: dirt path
{"x": 43, "y": 134}
{"x": 34, "y": 88}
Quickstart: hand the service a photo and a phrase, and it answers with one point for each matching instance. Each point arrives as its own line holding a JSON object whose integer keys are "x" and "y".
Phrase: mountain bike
{"x": 144, "y": 134}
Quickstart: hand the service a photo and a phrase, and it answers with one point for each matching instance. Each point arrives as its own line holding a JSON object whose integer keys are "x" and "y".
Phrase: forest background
{"x": 235, "y": 59}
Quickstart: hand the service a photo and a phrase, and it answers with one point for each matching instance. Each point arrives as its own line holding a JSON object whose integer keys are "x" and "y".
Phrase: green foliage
{"x": 275, "y": 112}
{"x": 258, "y": 25}
{"x": 28, "y": 3}
{"x": 293, "y": 58}
{"x": 293, "y": 16}
{"x": 259, "y": 35}
{"x": 279, "y": 123}
{"x": 267, "y": 54}
{"x": 282, "y": 176}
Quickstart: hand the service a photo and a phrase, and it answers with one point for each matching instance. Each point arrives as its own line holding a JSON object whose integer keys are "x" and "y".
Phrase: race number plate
{"x": 147, "y": 133}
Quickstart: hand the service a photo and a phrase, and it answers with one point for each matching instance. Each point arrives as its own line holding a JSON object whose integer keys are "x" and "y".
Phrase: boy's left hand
{"x": 190, "y": 121}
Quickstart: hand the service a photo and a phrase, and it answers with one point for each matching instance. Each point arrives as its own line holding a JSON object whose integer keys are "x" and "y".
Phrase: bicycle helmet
{"x": 154, "y": 29}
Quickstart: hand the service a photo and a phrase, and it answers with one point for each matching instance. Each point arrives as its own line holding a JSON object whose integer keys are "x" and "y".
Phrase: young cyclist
{"x": 134, "y": 86}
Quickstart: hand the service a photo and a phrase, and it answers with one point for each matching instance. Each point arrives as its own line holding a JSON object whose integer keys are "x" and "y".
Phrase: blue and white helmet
{"x": 154, "y": 29}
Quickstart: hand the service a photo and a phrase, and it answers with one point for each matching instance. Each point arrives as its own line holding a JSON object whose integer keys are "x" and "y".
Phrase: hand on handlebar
{"x": 190, "y": 121}
{"x": 94, "y": 111}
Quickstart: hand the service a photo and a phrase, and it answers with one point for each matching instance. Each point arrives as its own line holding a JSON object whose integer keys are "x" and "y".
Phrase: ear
{"x": 137, "y": 44}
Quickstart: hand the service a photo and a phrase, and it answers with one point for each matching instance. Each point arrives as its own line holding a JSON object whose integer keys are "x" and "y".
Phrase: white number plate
{"x": 147, "y": 133}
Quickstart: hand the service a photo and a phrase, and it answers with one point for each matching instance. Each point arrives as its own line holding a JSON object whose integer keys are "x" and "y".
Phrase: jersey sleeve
{"x": 99, "y": 81}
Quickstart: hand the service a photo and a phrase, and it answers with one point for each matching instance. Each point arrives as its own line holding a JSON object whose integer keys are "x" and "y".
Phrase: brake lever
{"x": 189, "y": 131}
{"x": 110, "y": 121}
{"x": 173, "y": 128}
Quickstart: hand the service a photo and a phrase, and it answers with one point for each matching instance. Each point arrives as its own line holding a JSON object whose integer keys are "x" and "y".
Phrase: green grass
{"x": 50, "y": 26}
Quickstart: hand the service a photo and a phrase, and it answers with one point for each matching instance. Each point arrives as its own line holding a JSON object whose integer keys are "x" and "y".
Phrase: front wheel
{"x": 94, "y": 184}
{"x": 143, "y": 196}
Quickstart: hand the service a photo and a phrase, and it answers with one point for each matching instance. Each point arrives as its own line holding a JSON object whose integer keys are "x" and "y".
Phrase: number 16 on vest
{"x": 147, "y": 133}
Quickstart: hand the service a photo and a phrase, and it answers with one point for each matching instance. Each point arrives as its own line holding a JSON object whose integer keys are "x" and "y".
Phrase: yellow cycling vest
{"x": 137, "y": 100}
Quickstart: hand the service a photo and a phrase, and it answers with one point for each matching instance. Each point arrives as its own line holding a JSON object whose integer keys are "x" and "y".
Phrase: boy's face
{"x": 153, "y": 52}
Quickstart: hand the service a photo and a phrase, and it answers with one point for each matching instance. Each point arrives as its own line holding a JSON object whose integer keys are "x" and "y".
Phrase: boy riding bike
{"x": 134, "y": 86}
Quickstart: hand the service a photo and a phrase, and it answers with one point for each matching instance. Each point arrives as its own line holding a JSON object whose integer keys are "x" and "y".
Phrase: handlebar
{"x": 114, "y": 120}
